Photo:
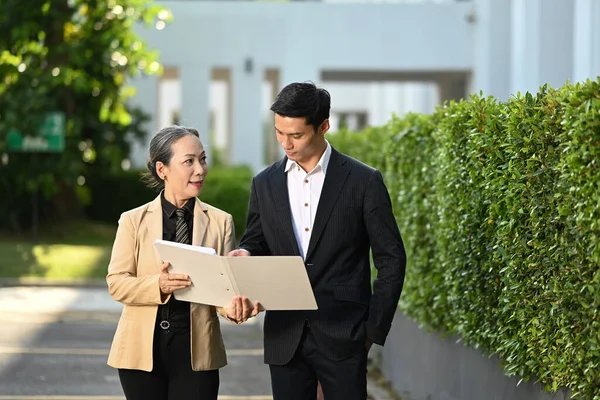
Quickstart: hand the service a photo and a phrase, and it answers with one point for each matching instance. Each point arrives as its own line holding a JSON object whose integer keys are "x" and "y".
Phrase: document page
{"x": 277, "y": 282}
{"x": 210, "y": 280}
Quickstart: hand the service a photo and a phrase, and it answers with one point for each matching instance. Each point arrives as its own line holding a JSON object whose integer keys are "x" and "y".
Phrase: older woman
{"x": 167, "y": 349}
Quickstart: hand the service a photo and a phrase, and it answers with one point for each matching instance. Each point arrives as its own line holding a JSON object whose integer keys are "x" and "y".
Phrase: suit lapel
{"x": 155, "y": 225}
{"x": 200, "y": 223}
{"x": 335, "y": 178}
{"x": 281, "y": 199}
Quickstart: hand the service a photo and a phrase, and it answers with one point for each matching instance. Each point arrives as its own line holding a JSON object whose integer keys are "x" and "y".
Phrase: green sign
{"x": 50, "y": 138}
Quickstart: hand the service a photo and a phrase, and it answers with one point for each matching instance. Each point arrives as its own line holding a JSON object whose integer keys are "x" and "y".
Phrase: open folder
{"x": 277, "y": 282}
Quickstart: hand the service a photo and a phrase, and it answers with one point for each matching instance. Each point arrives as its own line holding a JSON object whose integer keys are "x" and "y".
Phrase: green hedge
{"x": 499, "y": 206}
{"x": 228, "y": 188}
{"x": 108, "y": 195}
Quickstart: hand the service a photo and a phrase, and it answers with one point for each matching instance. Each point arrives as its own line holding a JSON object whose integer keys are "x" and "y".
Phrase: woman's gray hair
{"x": 161, "y": 149}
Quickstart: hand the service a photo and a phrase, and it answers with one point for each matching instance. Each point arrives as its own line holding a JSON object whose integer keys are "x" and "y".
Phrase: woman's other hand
{"x": 241, "y": 309}
{"x": 169, "y": 283}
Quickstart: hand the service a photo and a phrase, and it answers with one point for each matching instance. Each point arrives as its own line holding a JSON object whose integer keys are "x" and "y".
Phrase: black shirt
{"x": 175, "y": 310}
{"x": 170, "y": 218}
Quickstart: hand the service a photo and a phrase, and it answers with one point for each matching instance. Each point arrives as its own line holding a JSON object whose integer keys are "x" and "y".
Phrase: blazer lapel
{"x": 281, "y": 199}
{"x": 335, "y": 178}
{"x": 200, "y": 223}
{"x": 155, "y": 225}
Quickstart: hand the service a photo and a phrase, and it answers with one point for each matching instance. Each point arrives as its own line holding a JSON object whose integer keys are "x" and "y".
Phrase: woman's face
{"x": 185, "y": 173}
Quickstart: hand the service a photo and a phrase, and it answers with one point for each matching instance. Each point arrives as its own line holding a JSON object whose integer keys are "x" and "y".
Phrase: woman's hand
{"x": 241, "y": 309}
{"x": 169, "y": 283}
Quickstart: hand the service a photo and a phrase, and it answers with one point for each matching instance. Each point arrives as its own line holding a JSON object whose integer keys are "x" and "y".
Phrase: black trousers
{"x": 172, "y": 377}
{"x": 340, "y": 380}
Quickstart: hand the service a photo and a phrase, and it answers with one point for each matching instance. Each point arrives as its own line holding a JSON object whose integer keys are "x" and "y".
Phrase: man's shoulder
{"x": 267, "y": 173}
{"x": 356, "y": 163}
{"x": 357, "y": 166}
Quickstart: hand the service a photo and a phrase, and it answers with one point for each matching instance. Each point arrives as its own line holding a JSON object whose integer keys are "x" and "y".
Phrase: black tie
{"x": 181, "y": 229}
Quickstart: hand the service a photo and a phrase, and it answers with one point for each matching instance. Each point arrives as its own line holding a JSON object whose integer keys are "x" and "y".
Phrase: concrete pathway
{"x": 54, "y": 343}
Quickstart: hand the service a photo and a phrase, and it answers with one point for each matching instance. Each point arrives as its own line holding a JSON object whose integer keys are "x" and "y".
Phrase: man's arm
{"x": 389, "y": 258}
{"x": 254, "y": 240}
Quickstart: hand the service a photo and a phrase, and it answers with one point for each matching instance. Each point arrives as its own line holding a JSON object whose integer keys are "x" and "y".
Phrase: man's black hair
{"x": 303, "y": 100}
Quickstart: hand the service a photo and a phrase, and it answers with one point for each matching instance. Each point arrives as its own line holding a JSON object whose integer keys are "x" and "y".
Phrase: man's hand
{"x": 368, "y": 344}
{"x": 169, "y": 283}
{"x": 238, "y": 253}
{"x": 241, "y": 309}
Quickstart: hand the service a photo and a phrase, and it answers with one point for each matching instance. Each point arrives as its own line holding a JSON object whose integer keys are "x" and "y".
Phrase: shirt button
{"x": 306, "y": 229}
{"x": 305, "y": 204}
{"x": 306, "y": 181}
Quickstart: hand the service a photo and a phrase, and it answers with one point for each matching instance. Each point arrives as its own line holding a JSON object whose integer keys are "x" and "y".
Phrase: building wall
{"x": 586, "y": 40}
{"x": 299, "y": 39}
{"x": 414, "y": 54}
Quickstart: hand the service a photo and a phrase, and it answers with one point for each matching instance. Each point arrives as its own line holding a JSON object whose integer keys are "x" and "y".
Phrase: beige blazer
{"x": 132, "y": 280}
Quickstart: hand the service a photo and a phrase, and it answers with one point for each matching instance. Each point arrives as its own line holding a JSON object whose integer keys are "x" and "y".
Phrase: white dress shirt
{"x": 304, "y": 190}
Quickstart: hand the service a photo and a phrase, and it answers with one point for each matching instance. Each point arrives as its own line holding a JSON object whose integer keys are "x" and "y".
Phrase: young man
{"x": 331, "y": 210}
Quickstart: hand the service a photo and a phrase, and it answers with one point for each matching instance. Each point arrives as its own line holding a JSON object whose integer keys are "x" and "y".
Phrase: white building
{"x": 226, "y": 60}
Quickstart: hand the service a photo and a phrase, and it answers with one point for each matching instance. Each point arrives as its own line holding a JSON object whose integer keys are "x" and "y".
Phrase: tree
{"x": 72, "y": 56}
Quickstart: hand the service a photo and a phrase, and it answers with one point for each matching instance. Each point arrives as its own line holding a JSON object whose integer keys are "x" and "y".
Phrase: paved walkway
{"x": 54, "y": 343}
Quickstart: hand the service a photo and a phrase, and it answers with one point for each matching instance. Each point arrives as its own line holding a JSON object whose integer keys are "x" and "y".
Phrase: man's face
{"x": 299, "y": 140}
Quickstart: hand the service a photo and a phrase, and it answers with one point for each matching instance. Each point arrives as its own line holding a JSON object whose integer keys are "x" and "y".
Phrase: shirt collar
{"x": 170, "y": 208}
{"x": 323, "y": 161}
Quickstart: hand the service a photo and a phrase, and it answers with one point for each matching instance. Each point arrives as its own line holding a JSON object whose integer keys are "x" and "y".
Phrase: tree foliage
{"x": 72, "y": 56}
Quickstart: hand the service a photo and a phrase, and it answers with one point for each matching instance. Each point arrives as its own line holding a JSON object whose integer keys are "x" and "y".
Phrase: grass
{"x": 68, "y": 251}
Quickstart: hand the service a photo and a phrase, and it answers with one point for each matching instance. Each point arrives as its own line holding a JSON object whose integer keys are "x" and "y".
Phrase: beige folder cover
{"x": 277, "y": 282}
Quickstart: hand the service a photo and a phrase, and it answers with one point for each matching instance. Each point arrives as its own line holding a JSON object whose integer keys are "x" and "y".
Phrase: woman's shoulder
{"x": 215, "y": 212}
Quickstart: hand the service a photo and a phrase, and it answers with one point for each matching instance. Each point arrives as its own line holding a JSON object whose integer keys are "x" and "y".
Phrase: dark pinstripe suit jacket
{"x": 354, "y": 215}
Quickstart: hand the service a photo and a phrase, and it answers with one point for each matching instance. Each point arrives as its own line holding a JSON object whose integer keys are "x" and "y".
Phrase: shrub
{"x": 228, "y": 188}
{"x": 109, "y": 195}
{"x": 498, "y": 205}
